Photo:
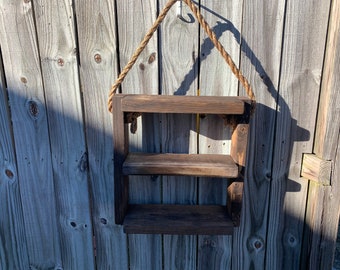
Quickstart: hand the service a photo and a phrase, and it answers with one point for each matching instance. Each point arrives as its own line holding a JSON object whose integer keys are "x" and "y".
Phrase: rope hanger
{"x": 210, "y": 34}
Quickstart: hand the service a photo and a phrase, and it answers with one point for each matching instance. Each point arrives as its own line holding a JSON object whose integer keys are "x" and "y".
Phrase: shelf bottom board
{"x": 178, "y": 220}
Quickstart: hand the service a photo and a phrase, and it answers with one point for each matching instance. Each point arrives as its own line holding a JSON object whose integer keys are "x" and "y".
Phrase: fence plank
{"x": 330, "y": 148}
{"x": 216, "y": 79}
{"x": 260, "y": 62}
{"x": 96, "y": 24}
{"x": 30, "y": 129}
{"x": 57, "y": 44}
{"x": 327, "y": 130}
{"x": 13, "y": 247}
{"x": 134, "y": 19}
{"x": 302, "y": 60}
{"x": 179, "y": 45}
{"x": 323, "y": 232}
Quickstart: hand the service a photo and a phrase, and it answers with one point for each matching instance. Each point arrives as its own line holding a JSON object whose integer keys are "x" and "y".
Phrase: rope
{"x": 210, "y": 34}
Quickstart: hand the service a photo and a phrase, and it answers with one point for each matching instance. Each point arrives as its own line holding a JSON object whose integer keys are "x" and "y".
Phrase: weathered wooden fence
{"x": 58, "y": 61}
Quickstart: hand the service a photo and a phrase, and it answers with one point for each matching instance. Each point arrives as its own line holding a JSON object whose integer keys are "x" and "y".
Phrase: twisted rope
{"x": 210, "y": 34}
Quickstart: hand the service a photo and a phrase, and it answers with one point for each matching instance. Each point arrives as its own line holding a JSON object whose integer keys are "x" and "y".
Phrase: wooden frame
{"x": 179, "y": 219}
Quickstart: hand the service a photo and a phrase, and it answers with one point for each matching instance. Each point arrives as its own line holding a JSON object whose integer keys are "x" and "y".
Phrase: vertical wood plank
{"x": 330, "y": 149}
{"x": 97, "y": 37}
{"x": 121, "y": 184}
{"x": 57, "y": 44}
{"x": 134, "y": 20}
{"x": 13, "y": 247}
{"x": 216, "y": 79}
{"x": 327, "y": 130}
{"x": 310, "y": 257}
{"x": 179, "y": 45}
{"x": 30, "y": 129}
{"x": 321, "y": 234}
{"x": 302, "y": 60}
{"x": 261, "y": 41}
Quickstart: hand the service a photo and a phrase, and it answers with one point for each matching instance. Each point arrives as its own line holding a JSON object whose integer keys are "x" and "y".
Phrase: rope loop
{"x": 210, "y": 34}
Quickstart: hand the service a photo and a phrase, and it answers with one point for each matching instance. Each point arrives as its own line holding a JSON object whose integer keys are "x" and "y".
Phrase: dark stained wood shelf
{"x": 183, "y": 104}
{"x": 208, "y": 165}
{"x": 178, "y": 219}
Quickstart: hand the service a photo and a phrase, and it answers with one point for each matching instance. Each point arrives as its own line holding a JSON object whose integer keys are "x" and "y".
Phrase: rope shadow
{"x": 293, "y": 132}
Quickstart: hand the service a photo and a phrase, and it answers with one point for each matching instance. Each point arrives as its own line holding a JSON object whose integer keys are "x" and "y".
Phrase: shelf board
{"x": 183, "y": 104}
{"x": 178, "y": 219}
{"x": 208, "y": 165}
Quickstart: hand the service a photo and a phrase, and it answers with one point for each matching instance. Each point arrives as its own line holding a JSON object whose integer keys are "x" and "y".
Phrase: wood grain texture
{"x": 57, "y": 45}
{"x": 134, "y": 19}
{"x": 281, "y": 54}
{"x": 180, "y": 164}
{"x": 331, "y": 82}
{"x": 330, "y": 220}
{"x": 121, "y": 145}
{"x": 316, "y": 169}
{"x": 214, "y": 252}
{"x": 260, "y": 62}
{"x": 327, "y": 130}
{"x": 179, "y": 45}
{"x": 302, "y": 60}
{"x": 239, "y": 142}
{"x": 178, "y": 219}
{"x": 310, "y": 257}
{"x": 225, "y": 18}
{"x": 30, "y": 133}
{"x": 182, "y": 104}
{"x": 97, "y": 39}
{"x": 322, "y": 231}
{"x": 13, "y": 247}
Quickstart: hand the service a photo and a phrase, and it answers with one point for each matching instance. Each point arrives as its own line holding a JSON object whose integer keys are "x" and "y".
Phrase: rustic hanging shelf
{"x": 179, "y": 219}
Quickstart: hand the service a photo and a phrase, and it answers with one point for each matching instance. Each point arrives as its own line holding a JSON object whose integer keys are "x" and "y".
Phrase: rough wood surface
{"x": 59, "y": 63}
{"x": 322, "y": 230}
{"x": 215, "y": 78}
{"x": 13, "y": 247}
{"x": 316, "y": 169}
{"x": 331, "y": 147}
{"x": 178, "y": 219}
{"x": 182, "y": 104}
{"x": 134, "y": 19}
{"x": 261, "y": 40}
{"x": 178, "y": 61}
{"x": 302, "y": 61}
{"x": 97, "y": 39}
{"x": 121, "y": 148}
{"x": 327, "y": 130}
{"x": 239, "y": 143}
{"x": 181, "y": 164}
{"x": 179, "y": 50}
{"x": 30, "y": 133}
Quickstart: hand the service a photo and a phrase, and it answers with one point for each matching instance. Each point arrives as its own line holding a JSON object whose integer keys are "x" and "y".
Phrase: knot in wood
{"x": 23, "y": 80}
{"x": 33, "y": 108}
{"x": 152, "y": 58}
{"x": 9, "y": 174}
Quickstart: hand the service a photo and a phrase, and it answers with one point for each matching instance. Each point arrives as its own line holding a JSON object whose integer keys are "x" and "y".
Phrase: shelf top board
{"x": 182, "y": 104}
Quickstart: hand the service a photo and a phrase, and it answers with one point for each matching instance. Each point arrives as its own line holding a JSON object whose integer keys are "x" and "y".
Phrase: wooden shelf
{"x": 180, "y": 164}
{"x": 178, "y": 219}
{"x": 182, "y": 104}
